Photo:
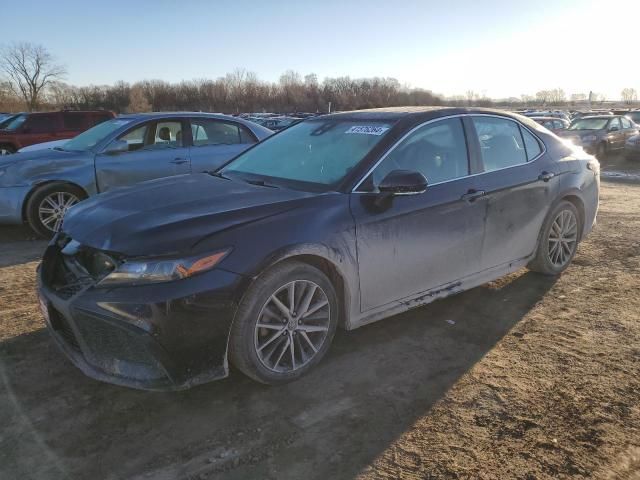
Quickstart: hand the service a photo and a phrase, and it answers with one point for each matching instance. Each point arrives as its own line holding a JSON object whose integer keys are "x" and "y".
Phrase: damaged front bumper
{"x": 167, "y": 336}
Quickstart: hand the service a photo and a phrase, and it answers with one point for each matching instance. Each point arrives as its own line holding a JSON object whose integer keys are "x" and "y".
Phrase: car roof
{"x": 393, "y": 114}
{"x": 65, "y": 111}
{"x": 607, "y": 117}
{"x": 548, "y": 118}
{"x": 152, "y": 115}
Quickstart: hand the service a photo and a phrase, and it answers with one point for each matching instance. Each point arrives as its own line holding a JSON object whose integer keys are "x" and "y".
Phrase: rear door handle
{"x": 179, "y": 161}
{"x": 546, "y": 176}
{"x": 473, "y": 195}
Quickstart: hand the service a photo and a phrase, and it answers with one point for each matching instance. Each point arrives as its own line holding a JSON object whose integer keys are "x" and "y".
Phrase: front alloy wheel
{"x": 292, "y": 326}
{"x": 53, "y": 207}
{"x": 48, "y": 204}
{"x": 284, "y": 324}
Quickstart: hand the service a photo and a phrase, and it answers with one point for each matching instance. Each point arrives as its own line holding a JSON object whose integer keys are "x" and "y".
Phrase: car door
{"x": 408, "y": 244}
{"x": 615, "y": 134}
{"x": 156, "y": 149}
{"x": 519, "y": 183}
{"x": 215, "y": 141}
{"x": 627, "y": 128}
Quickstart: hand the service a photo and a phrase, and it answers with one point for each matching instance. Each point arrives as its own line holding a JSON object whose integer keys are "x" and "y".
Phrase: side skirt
{"x": 443, "y": 291}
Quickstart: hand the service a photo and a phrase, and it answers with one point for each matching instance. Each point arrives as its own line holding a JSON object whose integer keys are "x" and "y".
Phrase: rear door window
{"x": 501, "y": 142}
{"x": 626, "y": 123}
{"x": 206, "y": 131}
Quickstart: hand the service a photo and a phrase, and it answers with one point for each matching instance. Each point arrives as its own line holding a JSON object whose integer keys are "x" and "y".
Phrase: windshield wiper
{"x": 260, "y": 183}
{"x": 217, "y": 174}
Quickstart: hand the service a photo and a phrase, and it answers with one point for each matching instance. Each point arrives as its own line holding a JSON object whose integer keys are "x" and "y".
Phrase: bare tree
{"x": 629, "y": 95}
{"x": 29, "y": 69}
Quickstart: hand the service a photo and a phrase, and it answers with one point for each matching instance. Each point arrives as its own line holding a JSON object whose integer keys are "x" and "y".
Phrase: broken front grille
{"x": 71, "y": 268}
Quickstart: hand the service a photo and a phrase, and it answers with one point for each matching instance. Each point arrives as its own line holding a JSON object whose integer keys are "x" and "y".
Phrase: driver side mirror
{"x": 403, "y": 182}
{"x": 116, "y": 147}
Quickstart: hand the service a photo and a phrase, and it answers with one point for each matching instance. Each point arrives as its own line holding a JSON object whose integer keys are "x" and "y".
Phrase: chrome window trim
{"x": 458, "y": 115}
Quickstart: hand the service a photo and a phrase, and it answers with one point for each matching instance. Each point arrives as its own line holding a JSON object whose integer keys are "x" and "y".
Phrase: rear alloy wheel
{"x": 559, "y": 240}
{"x": 49, "y": 204}
{"x": 284, "y": 324}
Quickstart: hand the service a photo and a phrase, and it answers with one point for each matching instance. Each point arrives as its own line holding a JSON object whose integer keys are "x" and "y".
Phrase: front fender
{"x": 79, "y": 171}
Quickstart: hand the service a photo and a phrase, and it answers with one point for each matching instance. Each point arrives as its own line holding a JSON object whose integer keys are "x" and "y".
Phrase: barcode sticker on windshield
{"x": 367, "y": 130}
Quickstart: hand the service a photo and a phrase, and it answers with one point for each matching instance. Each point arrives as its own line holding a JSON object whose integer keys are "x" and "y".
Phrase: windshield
{"x": 317, "y": 152}
{"x": 589, "y": 124}
{"x": 13, "y": 123}
{"x": 91, "y": 137}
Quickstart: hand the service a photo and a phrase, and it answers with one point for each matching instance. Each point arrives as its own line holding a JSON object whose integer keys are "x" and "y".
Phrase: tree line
{"x": 31, "y": 79}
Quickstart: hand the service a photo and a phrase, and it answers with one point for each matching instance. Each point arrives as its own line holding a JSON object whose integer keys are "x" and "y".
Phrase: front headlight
{"x": 589, "y": 138}
{"x": 161, "y": 270}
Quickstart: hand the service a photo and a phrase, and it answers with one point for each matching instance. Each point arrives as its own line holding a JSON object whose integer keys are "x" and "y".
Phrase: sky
{"x": 498, "y": 48}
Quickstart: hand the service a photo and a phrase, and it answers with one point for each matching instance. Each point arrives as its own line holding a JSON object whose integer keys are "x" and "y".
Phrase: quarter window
{"x": 437, "y": 150}
{"x": 531, "y": 144}
{"x": 501, "y": 143}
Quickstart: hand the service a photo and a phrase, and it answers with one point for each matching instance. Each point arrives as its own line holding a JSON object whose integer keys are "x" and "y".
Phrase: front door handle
{"x": 473, "y": 195}
{"x": 546, "y": 176}
{"x": 179, "y": 161}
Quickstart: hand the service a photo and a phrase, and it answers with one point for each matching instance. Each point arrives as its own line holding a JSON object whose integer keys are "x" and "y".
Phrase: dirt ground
{"x": 526, "y": 378}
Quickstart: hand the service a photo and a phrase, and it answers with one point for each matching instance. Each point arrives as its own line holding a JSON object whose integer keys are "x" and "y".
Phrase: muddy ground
{"x": 528, "y": 377}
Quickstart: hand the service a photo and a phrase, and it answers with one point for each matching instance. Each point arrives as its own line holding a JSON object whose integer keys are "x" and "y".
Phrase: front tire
{"x": 558, "y": 240}
{"x": 284, "y": 324}
{"x": 48, "y": 204}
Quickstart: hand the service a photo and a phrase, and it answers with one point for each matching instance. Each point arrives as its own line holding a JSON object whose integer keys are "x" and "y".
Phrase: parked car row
{"x": 339, "y": 220}
{"x": 599, "y": 134}
{"x": 39, "y": 187}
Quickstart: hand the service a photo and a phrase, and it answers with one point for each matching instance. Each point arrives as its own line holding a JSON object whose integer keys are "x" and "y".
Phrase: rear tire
{"x": 274, "y": 343}
{"x": 48, "y": 204}
{"x": 558, "y": 240}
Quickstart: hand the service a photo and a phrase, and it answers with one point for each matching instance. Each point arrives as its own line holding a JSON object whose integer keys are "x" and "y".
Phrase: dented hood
{"x": 171, "y": 215}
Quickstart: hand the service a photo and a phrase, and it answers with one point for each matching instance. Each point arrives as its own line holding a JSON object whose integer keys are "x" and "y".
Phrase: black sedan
{"x": 338, "y": 221}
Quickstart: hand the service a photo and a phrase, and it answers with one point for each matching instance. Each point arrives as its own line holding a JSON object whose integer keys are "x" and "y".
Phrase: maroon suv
{"x": 24, "y": 129}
